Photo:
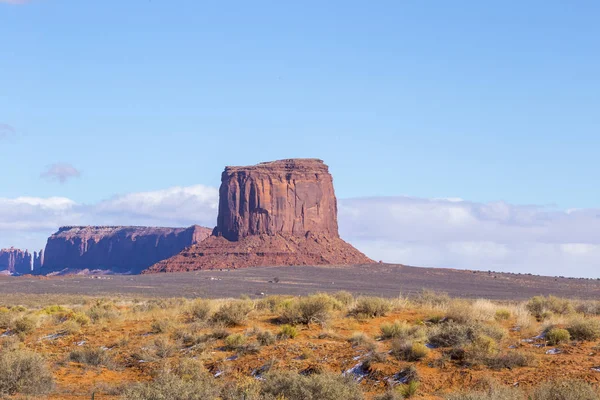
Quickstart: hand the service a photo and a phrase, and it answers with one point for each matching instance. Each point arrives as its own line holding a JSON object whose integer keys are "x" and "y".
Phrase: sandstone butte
{"x": 121, "y": 249}
{"x": 15, "y": 261}
{"x": 272, "y": 214}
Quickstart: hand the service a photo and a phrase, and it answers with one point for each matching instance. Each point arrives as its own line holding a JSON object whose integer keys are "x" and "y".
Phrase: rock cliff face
{"x": 119, "y": 249}
{"x": 289, "y": 197}
{"x": 276, "y": 213}
{"x": 38, "y": 260}
{"x": 15, "y": 261}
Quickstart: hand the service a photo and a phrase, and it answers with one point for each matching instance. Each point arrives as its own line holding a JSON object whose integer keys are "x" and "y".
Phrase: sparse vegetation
{"x": 170, "y": 345}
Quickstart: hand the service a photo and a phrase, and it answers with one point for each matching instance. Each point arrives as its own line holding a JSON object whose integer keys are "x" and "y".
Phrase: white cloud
{"x": 425, "y": 232}
{"x": 461, "y": 234}
{"x": 60, "y": 172}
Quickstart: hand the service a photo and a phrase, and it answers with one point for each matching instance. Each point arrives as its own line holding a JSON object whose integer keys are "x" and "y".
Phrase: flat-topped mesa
{"x": 121, "y": 249}
{"x": 15, "y": 261}
{"x": 289, "y": 197}
{"x": 271, "y": 214}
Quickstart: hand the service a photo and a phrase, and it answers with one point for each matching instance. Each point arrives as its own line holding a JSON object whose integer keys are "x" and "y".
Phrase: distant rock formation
{"x": 120, "y": 249}
{"x": 274, "y": 213}
{"x": 38, "y": 260}
{"x": 15, "y": 261}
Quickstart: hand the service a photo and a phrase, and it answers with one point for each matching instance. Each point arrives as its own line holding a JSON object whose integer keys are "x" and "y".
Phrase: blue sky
{"x": 488, "y": 102}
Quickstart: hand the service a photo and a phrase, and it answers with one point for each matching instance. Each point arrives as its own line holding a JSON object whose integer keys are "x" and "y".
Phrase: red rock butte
{"x": 271, "y": 214}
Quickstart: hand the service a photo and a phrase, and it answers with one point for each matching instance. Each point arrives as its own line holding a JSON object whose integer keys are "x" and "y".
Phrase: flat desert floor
{"x": 387, "y": 280}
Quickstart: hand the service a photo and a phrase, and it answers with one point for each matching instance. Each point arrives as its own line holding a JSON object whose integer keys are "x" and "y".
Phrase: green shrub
{"x": 541, "y": 307}
{"x": 25, "y": 373}
{"x": 233, "y": 313}
{"x": 408, "y": 390}
{"x": 325, "y": 386}
{"x": 408, "y": 351}
{"x": 371, "y": 307}
{"x": 235, "y": 341}
{"x": 401, "y": 330}
{"x": 288, "y": 332}
{"x": 556, "y": 336}
{"x": 565, "y": 390}
{"x": 502, "y": 314}
{"x": 584, "y": 329}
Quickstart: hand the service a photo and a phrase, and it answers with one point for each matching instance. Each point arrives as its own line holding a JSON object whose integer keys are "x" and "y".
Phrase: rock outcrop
{"x": 38, "y": 260}
{"x": 271, "y": 214}
{"x": 120, "y": 249}
{"x": 15, "y": 261}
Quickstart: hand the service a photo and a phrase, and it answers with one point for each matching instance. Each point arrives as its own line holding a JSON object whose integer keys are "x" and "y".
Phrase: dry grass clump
{"x": 235, "y": 341}
{"x": 408, "y": 351}
{"x": 359, "y": 339}
{"x": 24, "y": 325}
{"x": 200, "y": 310}
{"x": 345, "y": 298}
{"x": 266, "y": 338}
{"x": 325, "y": 386}
{"x": 510, "y": 360}
{"x": 402, "y": 330}
{"x": 234, "y": 313}
{"x": 565, "y": 390}
{"x": 371, "y": 307}
{"x": 451, "y": 334}
{"x": 161, "y": 326}
{"x": 432, "y": 299}
{"x": 186, "y": 381}
{"x": 312, "y": 309}
{"x": 24, "y": 372}
{"x": 584, "y": 329}
{"x": 91, "y": 356}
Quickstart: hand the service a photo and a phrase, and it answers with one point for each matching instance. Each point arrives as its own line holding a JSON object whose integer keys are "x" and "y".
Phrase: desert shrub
{"x": 287, "y": 332}
{"x": 54, "y": 309}
{"x": 6, "y": 318}
{"x": 25, "y": 373}
{"x": 389, "y": 395}
{"x": 102, "y": 311}
{"x": 502, "y": 314}
{"x": 371, "y": 307}
{"x": 494, "y": 393}
{"x": 584, "y": 329}
{"x": 510, "y": 360}
{"x": 270, "y": 303}
{"x": 234, "y": 341}
{"x": 246, "y": 388}
{"x": 408, "y": 351}
{"x": 541, "y": 307}
{"x": 565, "y": 390}
{"x": 496, "y": 332}
{"x": 325, "y": 386}
{"x": 70, "y": 327}
{"x": 481, "y": 348}
{"x": 233, "y": 313}
{"x": 91, "y": 356}
{"x": 164, "y": 348}
{"x": 432, "y": 299}
{"x": 25, "y": 324}
{"x": 408, "y": 390}
{"x": 401, "y": 330}
{"x": 160, "y": 326}
{"x": 588, "y": 307}
{"x": 200, "y": 310}
{"x": 266, "y": 338}
{"x": 557, "y": 335}
{"x": 345, "y": 298}
{"x": 452, "y": 334}
{"x": 312, "y": 309}
{"x": 187, "y": 381}
{"x": 359, "y": 338}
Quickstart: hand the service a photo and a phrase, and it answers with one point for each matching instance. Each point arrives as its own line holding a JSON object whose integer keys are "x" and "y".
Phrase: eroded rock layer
{"x": 271, "y": 214}
{"x": 121, "y": 249}
{"x": 15, "y": 261}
